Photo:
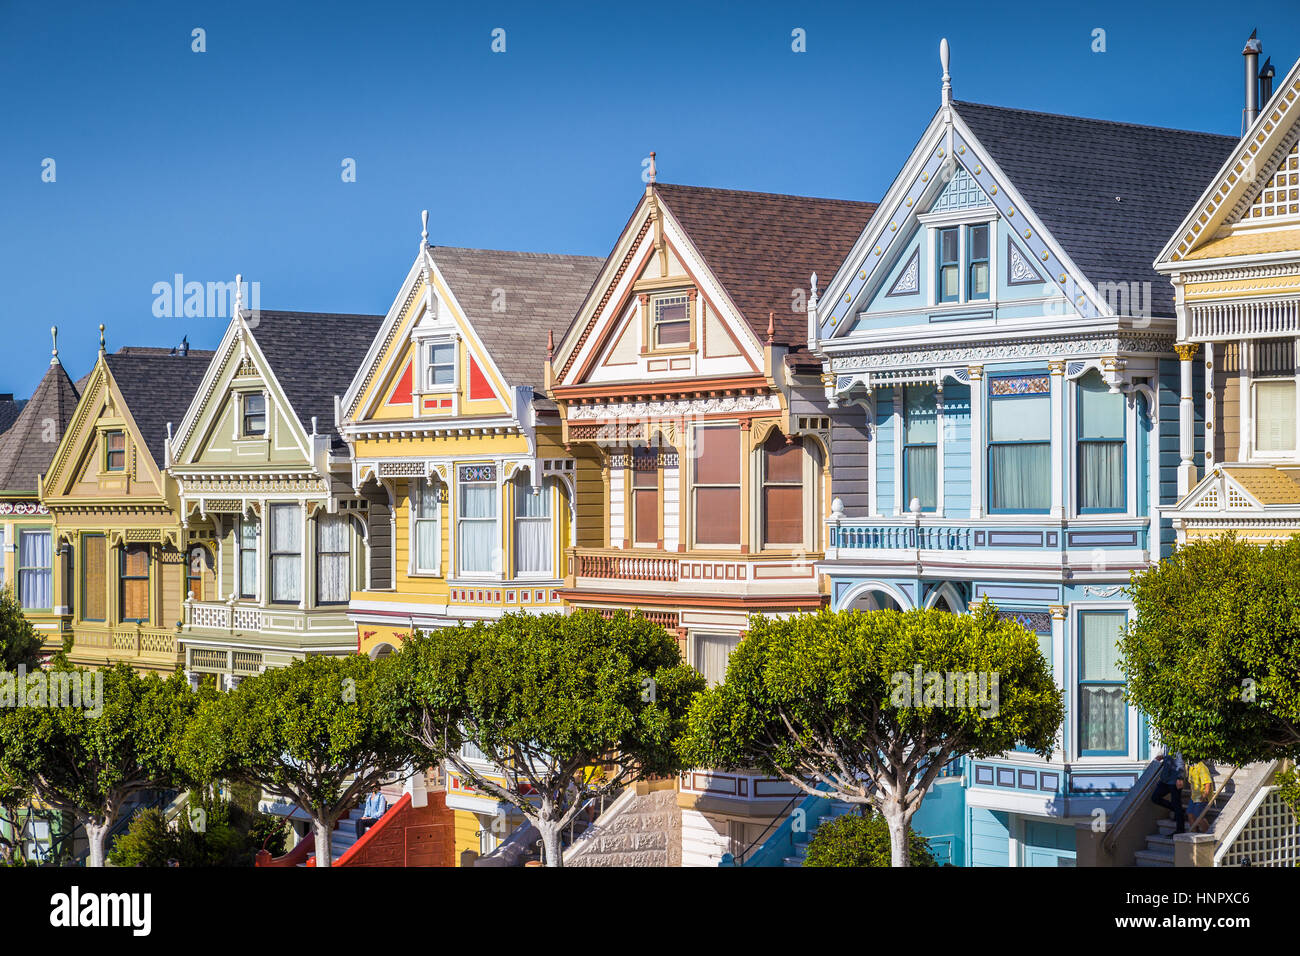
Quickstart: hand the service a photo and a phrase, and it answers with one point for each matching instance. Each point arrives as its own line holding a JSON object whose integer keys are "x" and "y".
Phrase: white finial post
{"x": 947, "y": 77}
{"x": 654, "y": 173}
{"x": 239, "y": 293}
{"x": 424, "y": 219}
{"x": 54, "y": 336}
{"x": 813, "y": 283}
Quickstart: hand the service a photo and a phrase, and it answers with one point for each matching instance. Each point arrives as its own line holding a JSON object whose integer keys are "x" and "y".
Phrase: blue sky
{"x": 206, "y": 164}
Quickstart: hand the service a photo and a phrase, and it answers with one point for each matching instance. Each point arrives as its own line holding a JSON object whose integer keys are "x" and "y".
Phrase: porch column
{"x": 1060, "y": 654}
{"x": 302, "y": 561}
{"x": 976, "y": 441}
{"x": 1059, "y": 467}
{"x": 1186, "y": 413}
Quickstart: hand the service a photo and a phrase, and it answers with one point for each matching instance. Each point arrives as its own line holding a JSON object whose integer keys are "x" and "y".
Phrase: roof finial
{"x": 653, "y": 172}
{"x": 101, "y": 338}
{"x": 424, "y": 218}
{"x": 239, "y": 293}
{"x": 814, "y": 288}
{"x": 947, "y": 78}
{"x": 550, "y": 344}
{"x": 54, "y": 336}
{"x": 771, "y": 327}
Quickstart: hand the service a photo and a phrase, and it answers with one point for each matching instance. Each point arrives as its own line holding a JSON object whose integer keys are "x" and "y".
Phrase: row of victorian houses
{"x": 1056, "y": 346}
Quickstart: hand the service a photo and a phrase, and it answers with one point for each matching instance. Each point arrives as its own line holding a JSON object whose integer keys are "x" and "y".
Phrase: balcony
{"x": 142, "y": 646}
{"x": 290, "y": 628}
{"x": 726, "y": 575}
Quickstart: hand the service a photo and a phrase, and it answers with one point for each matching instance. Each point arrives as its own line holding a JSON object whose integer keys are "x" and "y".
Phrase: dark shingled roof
{"x": 9, "y": 409}
{"x": 157, "y": 385}
{"x": 763, "y": 246}
{"x": 314, "y": 356}
{"x": 541, "y": 293}
{"x": 28, "y": 446}
{"x": 1110, "y": 193}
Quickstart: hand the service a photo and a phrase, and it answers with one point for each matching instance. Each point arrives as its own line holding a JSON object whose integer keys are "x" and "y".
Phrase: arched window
{"x": 783, "y": 480}
{"x": 426, "y": 536}
{"x": 1101, "y": 446}
{"x": 534, "y": 542}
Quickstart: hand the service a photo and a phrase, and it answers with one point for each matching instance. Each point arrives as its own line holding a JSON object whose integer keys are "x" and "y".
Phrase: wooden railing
{"x": 126, "y": 640}
{"x": 618, "y": 566}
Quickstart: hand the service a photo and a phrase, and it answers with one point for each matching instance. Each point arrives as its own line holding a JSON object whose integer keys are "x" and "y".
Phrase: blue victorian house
{"x": 1011, "y": 350}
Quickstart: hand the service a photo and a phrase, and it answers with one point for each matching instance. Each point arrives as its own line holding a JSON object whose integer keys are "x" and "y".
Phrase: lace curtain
{"x": 286, "y": 553}
{"x": 1103, "y": 716}
{"x": 332, "y": 560}
{"x": 425, "y": 503}
{"x": 34, "y": 572}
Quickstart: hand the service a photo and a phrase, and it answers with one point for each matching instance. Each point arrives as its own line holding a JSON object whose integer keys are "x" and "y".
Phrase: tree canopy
{"x": 564, "y": 707}
{"x": 1212, "y": 656}
{"x": 19, "y": 642}
{"x": 854, "y": 840}
{"x": 874, "y": 704}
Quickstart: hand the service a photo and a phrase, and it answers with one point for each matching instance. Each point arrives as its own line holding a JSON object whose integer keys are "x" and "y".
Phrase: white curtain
{"x": 34, "y": 569}
{"x": 1275, "y": 416}
{"x": 425, "y": 502}
{"x": 286, "y": 553}
{"x": 532, "y": 529}
{"x": 247, "y": 557}
{"x": 478, "y": 544}
{"x": 922, "y": 467}
{"x": 1103, "y": 716}
{"x": 1020, "y": 477}
{"x": 1101, "y": 475}
{"x": 711, "y": 653}
{"x": 332, "y": 558}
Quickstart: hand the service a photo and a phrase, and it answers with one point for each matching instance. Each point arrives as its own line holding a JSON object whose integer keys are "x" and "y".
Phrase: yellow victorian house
{"x": 1235, "y": 268}
{"x": 120, "y": 565}
{"x": 457, "y": 452}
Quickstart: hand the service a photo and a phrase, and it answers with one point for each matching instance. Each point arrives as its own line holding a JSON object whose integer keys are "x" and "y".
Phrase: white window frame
{"x": 493, "y": 573}
{"x": 413, "y": 566}
{"x": 240, "y": 552}
{"x": 317, "y": 553}
{"x": 240, "y": 425}
{"x": 547, "y": 490}
{"x": 963, "y": 219}
{"x": 426, "y": 345}
{"x": 272, "y": 554}
{"x": 1281, "y": 455}
{"x": 655, "y": 301}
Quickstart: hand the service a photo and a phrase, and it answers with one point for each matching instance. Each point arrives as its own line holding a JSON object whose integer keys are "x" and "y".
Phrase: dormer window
{"x": 949, "y": 265}
{"x": 977, "y": 261}
{"x": 254, "y": 414}
{"x": 962, "y": 267}
{"x": 671, "y": 315}
{"x": 440, "y": 365}
{"x": 115, "y": 451}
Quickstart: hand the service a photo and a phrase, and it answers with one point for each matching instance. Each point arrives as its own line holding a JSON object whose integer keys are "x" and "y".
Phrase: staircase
{"x": 1160, "y": 845}
{"x": 835, "y": 810}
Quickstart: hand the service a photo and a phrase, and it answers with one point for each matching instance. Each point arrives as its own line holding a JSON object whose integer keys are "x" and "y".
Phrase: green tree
{"x": 310, "y": 733}
{"x": 861, "y": 840}
{"x": 566, "y": 707}
{"x": 91, "y": 760}
{"x": 19, "y": 642}
{"x": 1211, "y": 656}
{"x": 874, "y": 704}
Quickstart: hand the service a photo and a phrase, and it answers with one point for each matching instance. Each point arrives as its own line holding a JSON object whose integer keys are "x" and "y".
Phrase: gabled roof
{"x": 26, "y": 447}
{"x": 1110, "y": 193}
{"x": 157, "y": 385}
{"x": 539, "y": 292}
{"x": 764, "y": 246}
{"x": 314, "y": 356}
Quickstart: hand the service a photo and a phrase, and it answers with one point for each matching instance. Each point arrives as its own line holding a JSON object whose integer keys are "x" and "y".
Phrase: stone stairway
{"x": 1160, "y": 845}
{"x": 801, "y": 846}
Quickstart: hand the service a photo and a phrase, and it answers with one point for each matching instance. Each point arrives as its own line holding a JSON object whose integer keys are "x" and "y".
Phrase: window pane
{"x": 1020, "y": 477}
{"x": 425, "y": 498}
{"x": 1101, "y": 475}
{"x": 1275, "y": 415}
{"x": 711, "y": 653}
{"x": 286, "y": 529}
{"x": 921, "y": 468}
{"x": 442, "y": 354}
{"x": 286, "y": 553}
{"x": 478, "y": 545}
{"x": 1101, "y": 414}
{"x": 135, "y": 600}
{"x": 1103, "y": 718}
{"x": 717, "y": 516}
{"x": 783, "y": 461}
{"x": 135, "y": 562}
{"x": 979, "y": 280}
{"x": 426, "y": 544}
{"x": 478, "y": 501}
{"x": 979, "y": 242}
{"x": 34, "y": 567}
{"x": 532, "y": 504}
{"x": 948, "y": 245}
{"x": 332, "y": 533}
{"x": 533, "y": 545}
{"x": 1020, "y": 419}
{"x": 93, "y": 581}
{"x": 1099, "y": 637}
{"x": 645, "y": 516}
{"x": 717, "y": 456}
{"x": 922, "y": 417}
{"x": 948, "y": 276}
{"x": 333, "y": 560}
{"x": 783, "y": 514}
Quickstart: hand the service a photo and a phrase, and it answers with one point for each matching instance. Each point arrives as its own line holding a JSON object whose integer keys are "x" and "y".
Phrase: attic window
{"x": 254, "y": 414}
{"x": 672, "y": 320}
{"x": 114, "y": 451}
{"x": 440, "y": 364}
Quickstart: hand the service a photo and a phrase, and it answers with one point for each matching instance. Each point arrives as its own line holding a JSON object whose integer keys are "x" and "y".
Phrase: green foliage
{"x": 564, "y": 692}
{"x": 800, "y": 685}
{"x": 1212, "y": 655}
{"x": 19, "y": 642}
{"x": 854, "y": 840}
{"x": 228, "y": 836}
{"x": 301, "y": 732}
{"x": 1288, "y": 788}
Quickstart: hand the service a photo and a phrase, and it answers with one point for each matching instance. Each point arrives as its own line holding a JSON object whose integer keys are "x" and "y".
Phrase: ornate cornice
{"x": 976, "y": 353}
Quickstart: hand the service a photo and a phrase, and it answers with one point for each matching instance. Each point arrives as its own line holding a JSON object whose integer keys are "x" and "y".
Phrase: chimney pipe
{"x": 1251, "y": 53}
{"x": 1266, "y": 74}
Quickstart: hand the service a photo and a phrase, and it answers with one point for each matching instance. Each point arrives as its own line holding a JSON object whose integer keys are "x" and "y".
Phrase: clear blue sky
{"x": 229, "y": 161}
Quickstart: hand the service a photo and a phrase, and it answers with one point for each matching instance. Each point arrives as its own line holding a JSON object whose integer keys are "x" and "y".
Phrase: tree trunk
{"x": 324, "y": 831}
{"x": 96, "y": 834}
{"x": 899, "y": 851}
{"x": 550, "y": 832}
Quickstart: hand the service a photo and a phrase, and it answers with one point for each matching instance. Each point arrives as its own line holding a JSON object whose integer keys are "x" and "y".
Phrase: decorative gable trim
{"x": 1020, "y": 270}
{"x": 909, "y": 280}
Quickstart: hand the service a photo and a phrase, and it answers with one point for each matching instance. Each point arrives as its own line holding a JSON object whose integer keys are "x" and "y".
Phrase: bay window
{"x": 1103, "y": 715}
{"x": 645, "y": 497}
{"x": 333, "y": 560}
{"x": 716, "y": 485}
{"x": 1020, "y": 459}
{"x": 533, "y": 549}
{"x": 1101, "y": 446}
{"x": 782, "y": 491}
{"x": 135, "y": 583}
{"x": 248, "y": 557}
{"x": 426, "y": 539}
{"x": 478, "y": 542}
{"x": 286, "y": 554}
{"x": 920, "y": 446}
{"x": 1275, "y": 404}
{"x": 35, "y": 570}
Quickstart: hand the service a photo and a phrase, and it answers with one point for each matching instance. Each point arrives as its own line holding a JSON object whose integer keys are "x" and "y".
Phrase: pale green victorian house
{"x": 257, "y": 458}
